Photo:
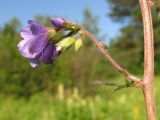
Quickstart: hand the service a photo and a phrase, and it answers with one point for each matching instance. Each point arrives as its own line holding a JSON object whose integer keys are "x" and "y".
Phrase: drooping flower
{"x": 48, "y": 55}
{"x": 58, "y": 23}
{"x": 34, "y": 40}
{"x": 43, "y": 45}
{"x": 35, "y": 45}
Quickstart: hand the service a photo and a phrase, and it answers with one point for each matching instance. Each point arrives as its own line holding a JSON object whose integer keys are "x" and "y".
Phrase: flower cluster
{"x": 43, "y": 45}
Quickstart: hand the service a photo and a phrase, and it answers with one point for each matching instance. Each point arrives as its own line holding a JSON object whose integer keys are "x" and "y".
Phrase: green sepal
{"x": 68, "y": 25}
{"x": 66, "y": 43}
{"x": 77, "y": 27}
{"x": 59, "y": 35}
{"x": 51, "y": 33}
{"x": 127, "y": 82}
{"x": 78, "y": 44}
{"x": 81, "y": 33}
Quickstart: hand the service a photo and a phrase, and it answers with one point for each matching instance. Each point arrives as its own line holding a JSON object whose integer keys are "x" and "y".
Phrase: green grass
{"x": 126, "y": 104}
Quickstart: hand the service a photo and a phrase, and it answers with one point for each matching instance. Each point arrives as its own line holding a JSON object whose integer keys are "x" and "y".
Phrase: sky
{"x": 71, "y": 9}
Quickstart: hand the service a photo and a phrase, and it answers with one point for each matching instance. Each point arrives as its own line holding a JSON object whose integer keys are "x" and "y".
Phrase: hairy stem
{"x": 147, "y": 84}
{"x": 148, "y": 60}
{"x": 109, "y": 58}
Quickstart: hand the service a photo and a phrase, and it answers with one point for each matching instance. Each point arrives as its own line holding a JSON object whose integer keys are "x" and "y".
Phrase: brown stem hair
{"x": 109, "y": 58}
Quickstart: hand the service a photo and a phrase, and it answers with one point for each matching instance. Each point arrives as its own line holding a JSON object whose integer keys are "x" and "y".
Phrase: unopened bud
{"x": 58, "y": 23}
{"x": 66, "y": 43}
{"x": 78, "y": 44}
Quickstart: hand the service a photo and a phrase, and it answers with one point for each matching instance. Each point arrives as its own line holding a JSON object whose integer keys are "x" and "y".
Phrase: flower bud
{"x": 78, "y": 44}
{"x": 66, "y": 43}
{"x": 58, "y": 23}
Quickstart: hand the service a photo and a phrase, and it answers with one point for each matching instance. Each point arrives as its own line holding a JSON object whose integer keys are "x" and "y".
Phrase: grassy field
{"x": 126, "y": 104}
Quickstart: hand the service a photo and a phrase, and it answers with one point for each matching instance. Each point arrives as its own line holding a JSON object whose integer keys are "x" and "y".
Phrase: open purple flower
{"x": 58, "y": 23}
{"x": 35, "y": 45}
{"x": 48, "y": 55}
{"x": 34, "y": 39}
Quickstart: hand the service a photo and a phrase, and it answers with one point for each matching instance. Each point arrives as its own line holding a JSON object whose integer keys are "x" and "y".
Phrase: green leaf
{"x": 78, "y": 44}
{"x": 66, "y": 43}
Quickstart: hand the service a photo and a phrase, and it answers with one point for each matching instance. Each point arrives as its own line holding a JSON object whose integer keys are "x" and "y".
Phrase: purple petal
{"x": 31, "y": 48}
{"x": 23, "y": 49}
{"x": 26, "y": 33}
{"x": 38, "y": 44}
{"x": 58, "y": 23}
{"x": 34, "y": 62}
{"x": 36, "y": 27}
{"x": 49, "y": 54}
{"x": 34, "y": 40}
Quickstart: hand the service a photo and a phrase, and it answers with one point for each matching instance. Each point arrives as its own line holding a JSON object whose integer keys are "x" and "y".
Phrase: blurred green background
{"x": 66, "y": 89}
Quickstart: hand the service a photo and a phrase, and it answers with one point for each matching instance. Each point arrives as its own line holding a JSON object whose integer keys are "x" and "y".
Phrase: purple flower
{"x": 35, "y": 45}
{"x": 48, "y": 55}
{"x": 58, "y": 23}
{"x": 34, "y": 40}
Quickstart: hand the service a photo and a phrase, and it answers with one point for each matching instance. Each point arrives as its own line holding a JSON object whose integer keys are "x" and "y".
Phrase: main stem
{"x": 148, "y": 60}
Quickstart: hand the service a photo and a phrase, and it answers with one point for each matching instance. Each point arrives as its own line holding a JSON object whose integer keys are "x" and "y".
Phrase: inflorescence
{"x": 41, "y": 44}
